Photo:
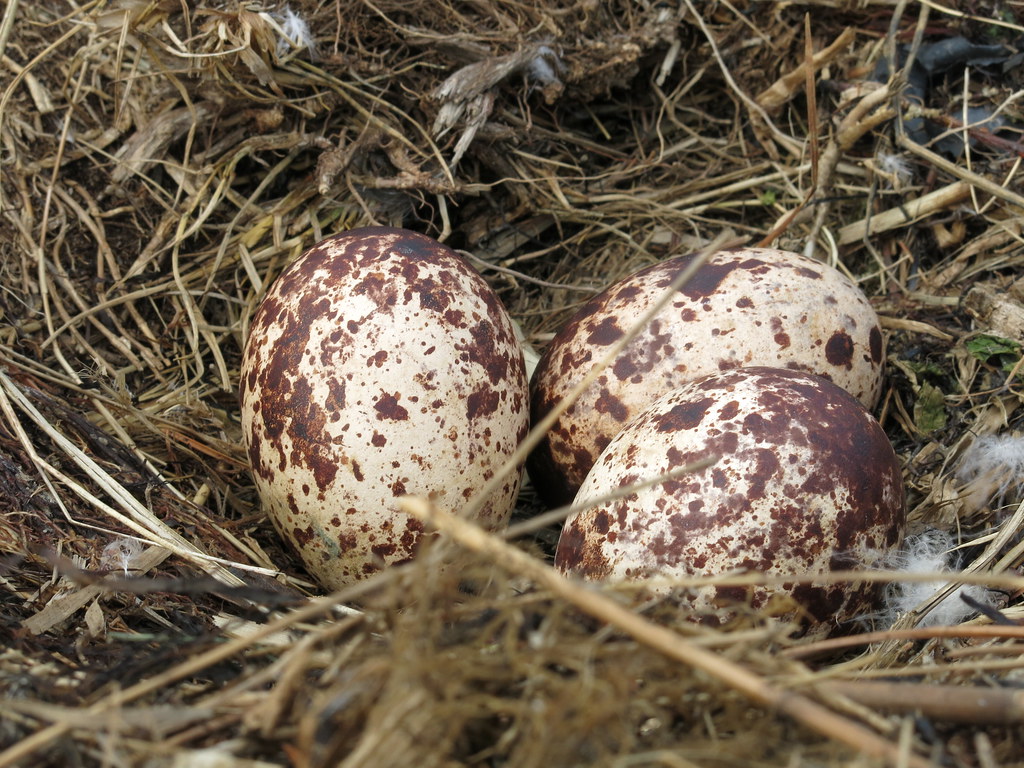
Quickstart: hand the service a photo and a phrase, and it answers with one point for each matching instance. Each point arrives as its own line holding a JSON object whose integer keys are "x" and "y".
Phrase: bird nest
{"x": 163, "y": 161}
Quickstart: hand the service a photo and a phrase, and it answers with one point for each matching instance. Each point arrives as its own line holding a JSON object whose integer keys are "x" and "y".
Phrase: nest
{"x": 163, "y": 161}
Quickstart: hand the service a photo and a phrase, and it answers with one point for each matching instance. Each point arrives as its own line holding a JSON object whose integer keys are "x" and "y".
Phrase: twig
{"x": 7, "y": 24}
{"x": 924, "y": 206}
{"x": 949, "y": 703}
{"x": 987, "y": 19}
{"x": 974, "y": 179}
{"x": 833, "y": 644}
{"x": 541, "y": 428}
{"x": 553, "y": 516}
{"x": 135, "y": 516}
{"x": 61, "y": 607}
{"x": 787, "y": 86}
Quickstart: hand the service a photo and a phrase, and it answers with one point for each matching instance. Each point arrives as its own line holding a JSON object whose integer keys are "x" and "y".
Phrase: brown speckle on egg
{"x": 744, "y": 307}
{"x": 806, "y": 482}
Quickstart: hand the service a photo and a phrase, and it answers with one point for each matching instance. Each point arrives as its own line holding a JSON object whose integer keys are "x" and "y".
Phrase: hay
{"x": 163, "y": 161}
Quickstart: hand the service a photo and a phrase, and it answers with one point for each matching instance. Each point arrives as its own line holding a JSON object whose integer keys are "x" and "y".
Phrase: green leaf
{"x": 986, "y": 346}
{"x": 929, "y": 409}
{"x": 767, "y": 197}
{"x": 925, "y": 367}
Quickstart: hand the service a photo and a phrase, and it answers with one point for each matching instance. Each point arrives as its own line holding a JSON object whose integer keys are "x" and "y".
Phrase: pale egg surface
{"x": 806, "y": 481}
{"x": 743, "y": 307}
{"x": 379, "y": 364}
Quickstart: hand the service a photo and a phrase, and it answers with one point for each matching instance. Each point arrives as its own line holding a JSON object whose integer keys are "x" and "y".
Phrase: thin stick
{"x": 787, "y": 86}
{"x": 136, "y": 515}
{"x": 547, "y": 518}
{"x": 974, "y": 179}
{"x": 664, "y": 640}
{"x": 833, "y": 644}
{"x": 949, "y": 703}
{"x": 939, "y": 200}
{"x": 7, "y": 23}
{"x": 541, "y": 428}
{"x": 812, "y": 101}
{"x": 993, "y": 20}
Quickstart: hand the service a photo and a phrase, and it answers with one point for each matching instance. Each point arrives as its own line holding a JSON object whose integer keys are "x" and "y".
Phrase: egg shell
{"x": 379, "y": 364}
{"x": 743, "y": 307}
{"x": 806, "y": 482}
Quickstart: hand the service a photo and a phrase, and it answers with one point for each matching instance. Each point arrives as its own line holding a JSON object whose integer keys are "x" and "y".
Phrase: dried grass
{"x": 163, "y": 161}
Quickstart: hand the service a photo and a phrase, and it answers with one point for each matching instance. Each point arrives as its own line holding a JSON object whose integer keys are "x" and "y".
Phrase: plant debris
{"x": 163, "y": 161}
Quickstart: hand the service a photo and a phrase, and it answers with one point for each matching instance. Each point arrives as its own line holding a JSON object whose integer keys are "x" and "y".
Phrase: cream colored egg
{"x": 743, "y": 307}
{"x": 805, "y": 482}
{"x": 379, "y": 364}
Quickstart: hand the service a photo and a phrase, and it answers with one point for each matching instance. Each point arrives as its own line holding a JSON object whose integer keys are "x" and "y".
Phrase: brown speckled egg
{"x": 379, "y": 364}
{"x": 806, "y": 482}
{"x": 751, "y": 306}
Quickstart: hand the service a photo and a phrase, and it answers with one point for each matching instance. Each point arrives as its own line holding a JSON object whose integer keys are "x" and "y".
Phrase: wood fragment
{"x": 913, "y": 326}
{"x": 790, "y": 84}
{"x": 62, "y": 606}
{"x": 938, "y": 201}
{"x": 946, "y": 703}
{"x": 965, "y": 631}
{"x": 975, "y": 180}
{"x": 996, "y": 311}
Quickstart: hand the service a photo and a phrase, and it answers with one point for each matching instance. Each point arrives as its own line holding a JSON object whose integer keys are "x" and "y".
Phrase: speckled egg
{"x": 379, "y": 364}
{"x": 751, "y": 306}
{"x": 805, "y": 482}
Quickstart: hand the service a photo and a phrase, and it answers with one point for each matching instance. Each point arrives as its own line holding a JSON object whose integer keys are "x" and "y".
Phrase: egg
{"x": 805, "y": 482}
{"x": 379, "y": 364}
{"x": 743, "y": 307}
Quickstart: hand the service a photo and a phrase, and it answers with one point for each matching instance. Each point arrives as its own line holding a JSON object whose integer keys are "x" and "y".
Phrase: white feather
{"x": 896, "y": 166}
{"x": 121, "y": 553}
{"x": 930, "y": 552}
{"x": 992, "y": 471}
{"x": 295, "y": 31}
{"x": 545, "y": 66}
